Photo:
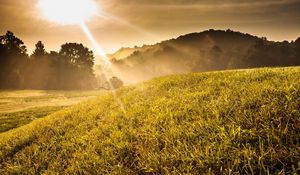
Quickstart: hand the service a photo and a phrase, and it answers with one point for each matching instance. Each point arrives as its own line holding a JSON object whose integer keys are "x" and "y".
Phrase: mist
{"x": 210, "y": 50}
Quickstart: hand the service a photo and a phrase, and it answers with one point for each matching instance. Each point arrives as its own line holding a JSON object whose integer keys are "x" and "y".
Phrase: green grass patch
{"x": 233, "y": 122}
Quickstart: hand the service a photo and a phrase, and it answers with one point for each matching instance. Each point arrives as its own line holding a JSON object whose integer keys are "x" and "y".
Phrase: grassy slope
{"x": 220, "y": 122}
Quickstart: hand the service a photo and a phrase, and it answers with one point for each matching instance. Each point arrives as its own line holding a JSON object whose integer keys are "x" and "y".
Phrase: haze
{"x": 137, "y": 22}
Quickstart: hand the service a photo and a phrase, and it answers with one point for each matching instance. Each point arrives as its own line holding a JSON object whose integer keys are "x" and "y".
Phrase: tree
{"x": 78, "y": 55}
{"x": 39, "y": 51}
{"x": 78, "y": 65}
{"x": 13, "y": 59}
{"x": 13, "y": 44}
{"x": 39, "y": 70}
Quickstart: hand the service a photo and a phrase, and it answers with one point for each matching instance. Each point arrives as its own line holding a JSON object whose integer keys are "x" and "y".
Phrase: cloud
{"x": 182, "y": 11}
{"x": 200, "y": 2}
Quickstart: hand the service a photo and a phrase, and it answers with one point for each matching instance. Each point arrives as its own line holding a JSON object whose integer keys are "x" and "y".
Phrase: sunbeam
{"x": 97, "y": 47}
{"x": 105, "y": 60}
{"x": 77, "y": 13}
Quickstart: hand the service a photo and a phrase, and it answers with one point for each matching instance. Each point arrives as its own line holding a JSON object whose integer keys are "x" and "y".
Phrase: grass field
{"x": 234, "y": 122}
{"x": 18, "y": 108}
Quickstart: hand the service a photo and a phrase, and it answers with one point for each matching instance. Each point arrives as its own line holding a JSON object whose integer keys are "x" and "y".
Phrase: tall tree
{"x": 39, "y": 70}
{"x": 79, "y": 61}
{"x": 77, "y": 55}
{"x": 13, "y": 44}
{"x": 12, "y": 62}
{"x": 39, "y": 51}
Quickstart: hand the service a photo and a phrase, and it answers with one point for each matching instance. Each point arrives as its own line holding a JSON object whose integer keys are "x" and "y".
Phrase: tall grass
{"x": 234, "y": 122}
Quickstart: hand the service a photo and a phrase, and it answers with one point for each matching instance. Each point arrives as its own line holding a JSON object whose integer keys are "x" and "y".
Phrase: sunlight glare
{"x": 78, "y": 12}
{"x": 68, "y": 12}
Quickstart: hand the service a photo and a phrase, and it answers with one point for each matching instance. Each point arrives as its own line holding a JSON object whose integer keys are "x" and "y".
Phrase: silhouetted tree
{"x": 13, "y": 59}
{"x": 13, "y": 44}
{"x": 39, "y": 51}
{"x": 79, "y": 62}
{"x": 39, "y": 70}
{"x": 77, "y": 55}
{"x": 71, "y": 68}
{"x": 57, "y": 65}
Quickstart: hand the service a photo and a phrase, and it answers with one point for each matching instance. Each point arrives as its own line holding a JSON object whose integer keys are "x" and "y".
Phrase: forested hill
{"x": 205, "y": 51}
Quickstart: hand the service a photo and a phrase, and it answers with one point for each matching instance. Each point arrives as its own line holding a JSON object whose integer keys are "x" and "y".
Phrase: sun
{"x": 68, "y": 12}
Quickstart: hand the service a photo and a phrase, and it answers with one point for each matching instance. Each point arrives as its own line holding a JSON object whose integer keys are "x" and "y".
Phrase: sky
{"x": 126, "y": 23}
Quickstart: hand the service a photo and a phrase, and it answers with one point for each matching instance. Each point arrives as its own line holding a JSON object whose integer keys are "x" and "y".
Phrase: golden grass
{"x": 235, "y": 122}
{"x": 14, "y": 101}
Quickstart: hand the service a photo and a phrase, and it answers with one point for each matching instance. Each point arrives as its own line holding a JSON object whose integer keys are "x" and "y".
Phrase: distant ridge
{"x": 205, "y": 51}
{"x": 125, "y": 52}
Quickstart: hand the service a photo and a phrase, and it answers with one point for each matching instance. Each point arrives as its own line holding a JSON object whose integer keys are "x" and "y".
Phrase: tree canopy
{"x": 70, "y": 68}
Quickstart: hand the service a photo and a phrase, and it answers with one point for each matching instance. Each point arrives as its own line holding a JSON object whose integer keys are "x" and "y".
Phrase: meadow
{"x": 20, "y": 107}
{"x": 230, "y": 122}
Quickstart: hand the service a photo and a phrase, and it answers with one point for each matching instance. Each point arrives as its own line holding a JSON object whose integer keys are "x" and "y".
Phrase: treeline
{"x": 271, "y": 54}
{"x": 70, "y": 68}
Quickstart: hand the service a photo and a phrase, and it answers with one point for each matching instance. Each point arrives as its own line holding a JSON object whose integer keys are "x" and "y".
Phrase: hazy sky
{"x": 137, "y": 22}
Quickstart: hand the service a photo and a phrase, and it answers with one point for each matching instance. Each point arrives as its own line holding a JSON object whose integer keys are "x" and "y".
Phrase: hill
{"x": 230, "y": 122}
{"x": 205, "y": 51}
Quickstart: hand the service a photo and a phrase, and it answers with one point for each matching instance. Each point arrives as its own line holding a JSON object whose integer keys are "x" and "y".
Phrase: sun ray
{"x": 77, "y": 12}
{"x": 105, "y": 60}
{"x": 98, "y": 49}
